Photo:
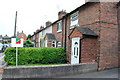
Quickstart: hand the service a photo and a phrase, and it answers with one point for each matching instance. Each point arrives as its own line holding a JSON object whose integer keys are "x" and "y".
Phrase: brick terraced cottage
{"x": 89, "y": 34}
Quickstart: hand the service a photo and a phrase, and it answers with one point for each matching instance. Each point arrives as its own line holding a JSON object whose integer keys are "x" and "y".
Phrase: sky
{"x": 31, "y": 13}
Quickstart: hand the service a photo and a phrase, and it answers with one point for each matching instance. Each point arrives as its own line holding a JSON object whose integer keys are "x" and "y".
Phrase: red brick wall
{"x": 76, "y": 33}
{"x": 88, "y": 50}
{"x": 88, "y": 17}
{"x": 58, "y": 35}
{"x": 119, "y": 32}
{"x": 102, "y": 19}
{"x": 37, "y": 40}
{"x": 108, "y": 36}
{"x": 89, "y": 14}
{"x": 49, "y": 44}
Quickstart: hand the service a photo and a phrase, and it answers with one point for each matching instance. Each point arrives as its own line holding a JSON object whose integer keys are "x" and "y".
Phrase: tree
{"x": 28, "y": 43}
{"x": 28, "y": 36}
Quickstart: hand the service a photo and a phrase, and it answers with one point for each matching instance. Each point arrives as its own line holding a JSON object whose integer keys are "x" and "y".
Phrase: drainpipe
{"x": 65, "y": 32}
{"x": 98, "y": 59}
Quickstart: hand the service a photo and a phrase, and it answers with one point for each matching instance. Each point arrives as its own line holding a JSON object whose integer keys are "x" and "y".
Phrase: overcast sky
{"x": 31, "y": 13}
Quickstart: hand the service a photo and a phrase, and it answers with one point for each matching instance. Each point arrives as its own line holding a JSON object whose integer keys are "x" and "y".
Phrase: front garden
{"x": 35, "y": 56}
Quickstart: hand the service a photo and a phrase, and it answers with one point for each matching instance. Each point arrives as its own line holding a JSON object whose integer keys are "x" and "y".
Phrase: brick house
{"x": 38, "y": 37}
{"x": 6, "y": 38}
{"x": 101, "y": 18}
{"x": 21, "y": 35}
{"x": 102, "y": 21}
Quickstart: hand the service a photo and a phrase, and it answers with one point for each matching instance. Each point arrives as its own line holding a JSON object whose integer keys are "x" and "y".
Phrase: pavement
{"x": 112, "y": 73}
{"x": 1, "y": 63}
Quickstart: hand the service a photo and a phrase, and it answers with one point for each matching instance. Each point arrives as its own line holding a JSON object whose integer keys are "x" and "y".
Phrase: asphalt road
{"x": 101, "y": 75}
{"x": 113, "y": 73}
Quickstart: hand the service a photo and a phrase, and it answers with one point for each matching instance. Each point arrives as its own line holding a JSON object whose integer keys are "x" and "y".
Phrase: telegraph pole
{"x": 15, "y": 25}
{"x": 15, "y": 34}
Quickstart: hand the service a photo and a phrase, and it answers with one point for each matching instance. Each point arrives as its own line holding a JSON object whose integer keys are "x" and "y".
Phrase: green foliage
{"x": 28, "y": 36}
{"x": 6, "y": 42}
{"x": 46, "y": 55}
{"x": 28, "y": 43}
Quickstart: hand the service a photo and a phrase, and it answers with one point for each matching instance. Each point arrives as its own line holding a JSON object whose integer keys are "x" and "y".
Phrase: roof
{"x": 86, "y": 31}
{"x": 87, "y": 3}
{"x": 6, "y": 37}
{"x": 50, "y": 36}
{"x": 18, "y": 34}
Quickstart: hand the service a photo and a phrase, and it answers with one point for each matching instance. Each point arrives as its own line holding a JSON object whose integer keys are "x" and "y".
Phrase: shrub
{"x": 28, "y": 43}
{"x": 46, "y": 55}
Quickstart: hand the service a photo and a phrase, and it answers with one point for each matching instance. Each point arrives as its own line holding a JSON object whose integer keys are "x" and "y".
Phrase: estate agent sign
{"x": 17, "y": 42}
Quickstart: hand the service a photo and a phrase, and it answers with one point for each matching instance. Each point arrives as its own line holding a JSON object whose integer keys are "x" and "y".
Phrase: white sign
{"x": 17, "y": 42}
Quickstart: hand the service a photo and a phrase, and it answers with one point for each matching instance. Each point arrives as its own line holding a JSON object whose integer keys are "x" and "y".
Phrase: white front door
{"x": 75, "y": 50}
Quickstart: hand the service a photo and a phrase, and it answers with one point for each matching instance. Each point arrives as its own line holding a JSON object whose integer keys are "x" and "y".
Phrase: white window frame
{"x": 59, "y": 44}
{"x": 74, "y": 19}
{"x": 59, "y": 26}
{"x": 54, "y": 43}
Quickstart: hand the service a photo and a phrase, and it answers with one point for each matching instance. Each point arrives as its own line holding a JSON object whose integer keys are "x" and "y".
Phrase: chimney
{"x": 48, "y": 23}
{"x": 41, "y": 27}
{"x": 61, "y": 14}
{"x": 37, "y": 30}
{"x": 92, "y": 1}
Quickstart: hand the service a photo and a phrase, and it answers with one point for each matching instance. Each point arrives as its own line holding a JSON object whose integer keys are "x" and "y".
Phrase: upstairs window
{"x": 59, "y": 26}
{"x": 74, "y": 19}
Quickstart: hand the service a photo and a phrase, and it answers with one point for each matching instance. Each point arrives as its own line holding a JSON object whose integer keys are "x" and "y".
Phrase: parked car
{"x": 1, "y": 45}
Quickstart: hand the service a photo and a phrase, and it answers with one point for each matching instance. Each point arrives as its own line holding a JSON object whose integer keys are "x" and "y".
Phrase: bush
{"x": 28, "y": 43}
{"x": 46, "y": 55}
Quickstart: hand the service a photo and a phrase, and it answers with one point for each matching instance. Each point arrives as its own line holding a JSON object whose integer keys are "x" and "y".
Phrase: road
{"x": 113, "y": 73}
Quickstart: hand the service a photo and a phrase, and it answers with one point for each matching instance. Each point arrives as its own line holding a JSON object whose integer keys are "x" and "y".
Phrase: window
{"x": 59, "y": 26}
{"x": 59, "y": 44}
{"x": 74, "y": 19}
{"x": 43, "y": 33}
{"x": 53, "y": 44}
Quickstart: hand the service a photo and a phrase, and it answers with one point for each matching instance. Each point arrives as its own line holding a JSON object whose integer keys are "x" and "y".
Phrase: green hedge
{"x": 46, "y": 55}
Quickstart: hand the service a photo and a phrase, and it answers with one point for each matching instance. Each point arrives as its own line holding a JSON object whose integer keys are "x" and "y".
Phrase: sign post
{"x": 17, "y": 42}
{"x": 16, "y": 56}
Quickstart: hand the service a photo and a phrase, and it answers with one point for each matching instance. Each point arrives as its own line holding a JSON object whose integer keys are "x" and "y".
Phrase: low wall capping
{"x": 48, "y": 70}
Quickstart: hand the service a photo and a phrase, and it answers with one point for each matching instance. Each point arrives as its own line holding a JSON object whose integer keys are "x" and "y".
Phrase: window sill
{"x": 71, "y": 27}
{"x": 59, "y": 31}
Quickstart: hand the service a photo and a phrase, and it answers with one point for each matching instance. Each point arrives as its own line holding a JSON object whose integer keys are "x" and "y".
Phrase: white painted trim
{"x": 59, "y": 31}
{"x": 72, "y": 50}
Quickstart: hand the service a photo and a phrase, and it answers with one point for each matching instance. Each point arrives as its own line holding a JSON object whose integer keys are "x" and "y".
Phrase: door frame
{"x": 79, "y": 49}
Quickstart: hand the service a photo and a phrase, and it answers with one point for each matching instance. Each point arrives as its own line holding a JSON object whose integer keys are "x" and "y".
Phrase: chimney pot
{"x": 48, "y": 23}
{"x": 61, "y": 14}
